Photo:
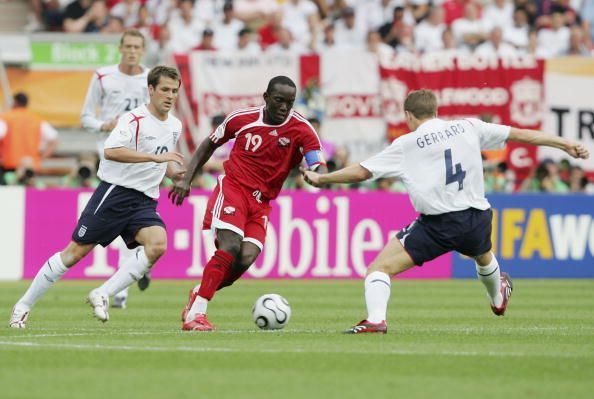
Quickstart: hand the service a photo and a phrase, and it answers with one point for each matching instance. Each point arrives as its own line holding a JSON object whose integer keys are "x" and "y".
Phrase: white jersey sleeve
{"x": 387, "y": 163}
{"x": 123, "y": 134}
{"x": 491, "y": 135}
{"x": 88, "y": 116}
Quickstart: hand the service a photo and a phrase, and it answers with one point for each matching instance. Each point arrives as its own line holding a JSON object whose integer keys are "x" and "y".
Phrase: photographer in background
{"x": 25, "y": 135}
{"x": 84, "y": 174}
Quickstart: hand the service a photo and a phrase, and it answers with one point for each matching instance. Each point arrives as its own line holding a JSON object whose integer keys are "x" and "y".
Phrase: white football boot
{"x": 100, "y": 303}
{"x": 19, "y": 317}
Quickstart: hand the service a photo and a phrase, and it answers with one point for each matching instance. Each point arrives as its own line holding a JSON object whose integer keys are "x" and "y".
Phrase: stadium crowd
{"x": 546, "y": 28}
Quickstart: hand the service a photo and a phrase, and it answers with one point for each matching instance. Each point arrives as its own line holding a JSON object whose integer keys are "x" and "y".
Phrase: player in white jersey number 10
{"x": 113, "y": 91}
{"x": 137, "y": 157}
{"x": 441, "y": 166}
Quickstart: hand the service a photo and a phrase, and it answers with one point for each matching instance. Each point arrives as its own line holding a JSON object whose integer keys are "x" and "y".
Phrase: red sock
{"x": 215, "y": 271}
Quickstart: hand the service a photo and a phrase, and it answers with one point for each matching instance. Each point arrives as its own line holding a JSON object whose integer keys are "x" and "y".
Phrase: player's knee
{"x": 155, "y": 248}
{"x": 246, "y": 260}
{"x": 73, "y": 253}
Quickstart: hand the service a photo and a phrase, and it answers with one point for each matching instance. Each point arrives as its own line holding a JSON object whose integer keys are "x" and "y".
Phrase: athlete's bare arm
{"x": 351, "y": 174}
{"x": 123, "y": 154}
{"x": 535, "y": 137}
{"x": 181, "y": 189}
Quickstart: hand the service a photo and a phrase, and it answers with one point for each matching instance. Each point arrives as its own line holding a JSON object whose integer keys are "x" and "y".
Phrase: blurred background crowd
{"x": 544, "y": 28}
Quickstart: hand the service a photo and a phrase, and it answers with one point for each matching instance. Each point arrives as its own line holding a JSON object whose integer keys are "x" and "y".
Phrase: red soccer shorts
{"x": 236, "y": 208}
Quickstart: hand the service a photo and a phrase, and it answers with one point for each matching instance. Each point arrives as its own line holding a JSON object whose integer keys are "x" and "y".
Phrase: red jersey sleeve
{"x": 309, "y": 137}
{"x": 234, "y": 122}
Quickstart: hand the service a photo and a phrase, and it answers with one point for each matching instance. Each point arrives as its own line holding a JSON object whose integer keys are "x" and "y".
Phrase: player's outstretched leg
{"x": 392, "y": 260}
{"x": 377, "y": 294}
{"x": 131, "y": 270}
{"x": 497, "y": 284}
{"x": 48, "y": 274}
{"x": 214, "y": 273}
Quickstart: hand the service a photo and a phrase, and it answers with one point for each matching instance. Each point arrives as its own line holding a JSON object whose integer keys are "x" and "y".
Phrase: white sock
{"x": 490, "y": 276}
{"x": 132, "y": 270}
{"x": 125, "y": 255}
{"x": 377, "y": 294}
{"x": 199, "y": 306}
{"x": 122, "y": 295}
{"x": 49, "y": 273}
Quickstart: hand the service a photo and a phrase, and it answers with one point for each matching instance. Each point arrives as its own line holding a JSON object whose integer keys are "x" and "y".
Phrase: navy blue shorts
{"x": 429, "y": 236}
{"x": 115, "y": 211}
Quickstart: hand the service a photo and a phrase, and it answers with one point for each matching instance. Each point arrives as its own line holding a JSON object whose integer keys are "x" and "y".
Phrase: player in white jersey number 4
{"x": 113, "y": 91}
{"x": 441, "y": 166}
{"x": 138, "y": 154}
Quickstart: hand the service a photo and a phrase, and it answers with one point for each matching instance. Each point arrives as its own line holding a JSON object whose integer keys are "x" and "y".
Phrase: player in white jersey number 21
{"x": 139, "y": 152}
{"x": 440, "y": 164}
{"x": 113, "y": 91}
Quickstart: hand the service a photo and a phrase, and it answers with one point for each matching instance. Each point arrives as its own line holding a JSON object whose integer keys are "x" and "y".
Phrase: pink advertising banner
{"x": 310, "y": 235}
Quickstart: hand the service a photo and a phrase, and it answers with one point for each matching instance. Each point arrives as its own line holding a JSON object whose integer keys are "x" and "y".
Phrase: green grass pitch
{"x": 443, "y": 342}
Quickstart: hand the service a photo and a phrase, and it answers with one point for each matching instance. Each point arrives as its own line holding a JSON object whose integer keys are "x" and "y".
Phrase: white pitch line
{"x": 351, "y": 351}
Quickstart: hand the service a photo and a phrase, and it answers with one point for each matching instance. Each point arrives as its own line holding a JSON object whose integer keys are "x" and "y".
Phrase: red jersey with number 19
{"x": 263, "y": 155}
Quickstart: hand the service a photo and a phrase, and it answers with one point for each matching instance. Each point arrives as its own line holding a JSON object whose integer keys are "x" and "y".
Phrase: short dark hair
{"x": 132, "y": 32}
{"x": 21, "y": 99}
{"x": 279, "y": 80}
{"x": 421, "y": 103}
{"x": 161, "y": 70}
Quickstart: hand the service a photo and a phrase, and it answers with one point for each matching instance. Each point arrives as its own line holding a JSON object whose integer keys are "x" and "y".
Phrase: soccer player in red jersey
{"x": 269, "y": 141}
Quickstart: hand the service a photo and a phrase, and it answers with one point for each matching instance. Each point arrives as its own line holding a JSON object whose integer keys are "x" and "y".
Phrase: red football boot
{"x": 506, "y": 291}
{"x": 200, "y": 323}
{"x": 191, "y": 298}
{"x": 365, "y": 326}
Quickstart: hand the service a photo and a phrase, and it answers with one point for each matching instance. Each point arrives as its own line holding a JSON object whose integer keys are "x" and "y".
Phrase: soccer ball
{"x": 271, "y": 312}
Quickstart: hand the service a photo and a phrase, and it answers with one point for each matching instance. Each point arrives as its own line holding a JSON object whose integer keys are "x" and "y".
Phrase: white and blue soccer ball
{"x": 271, "y": 312}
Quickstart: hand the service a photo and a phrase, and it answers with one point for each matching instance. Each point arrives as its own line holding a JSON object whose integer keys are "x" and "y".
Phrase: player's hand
{"x": 178, "y": 175}
{"x": 312, "y": 178}
{"x": 577, "y": 150}
{"x": 109, "y": 125}
{"x": 169, "y": 157}
{"x": 179, "y": 191}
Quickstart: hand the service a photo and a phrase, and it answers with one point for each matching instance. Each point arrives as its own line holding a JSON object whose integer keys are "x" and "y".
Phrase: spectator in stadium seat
{"x": 428, "y": 33}
{"x": 185, "y": 30}
{"x": 517, "y": 33}
{"x": 495, "y": 46}
{"x": 376, "y": 46}
{"x": 301, "y": 18}
{"x": 115, "y": 25}
{"x": 206, "y": 44}
{"x": 25, "y": 135}
{"x": 285, "y": 45}
{"x": 327, "y": 41}
{"x": 498, "y": 13}
{"x": 577, "y": 42}
{"x": 246, "y": 44}
{"x": 544, "y": 178}
{"x": 469, "y": 31}
{"x": 554, "y": 41}
{"x": 349, "y": 32}
{"x": 375, "y": 14}
{"x": 578, "y": 181}
{"x": 85, "y": 16}
{"x": 128, "y": 11}
{"x": 227, "y": 29}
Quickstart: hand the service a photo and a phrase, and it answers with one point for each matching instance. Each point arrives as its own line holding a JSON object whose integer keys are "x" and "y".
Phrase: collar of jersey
{"x": 287, "y": 119}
